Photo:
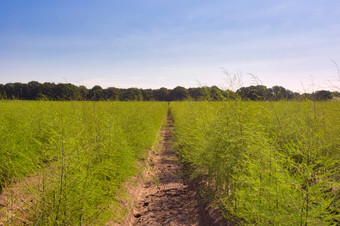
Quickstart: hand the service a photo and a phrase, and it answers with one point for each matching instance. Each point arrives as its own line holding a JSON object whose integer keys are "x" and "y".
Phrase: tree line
{"x": 66, "y": 91}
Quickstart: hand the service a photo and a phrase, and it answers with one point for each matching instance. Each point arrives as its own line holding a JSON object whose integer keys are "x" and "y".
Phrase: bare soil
{"x": 22, "y": 199}
{"x": 167, "y": 199}
{"x": 17, "y": 201}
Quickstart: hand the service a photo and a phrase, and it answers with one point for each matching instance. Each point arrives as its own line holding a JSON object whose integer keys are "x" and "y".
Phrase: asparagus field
{"x": 272, "y": 163}
{"x": 68, "y": 160}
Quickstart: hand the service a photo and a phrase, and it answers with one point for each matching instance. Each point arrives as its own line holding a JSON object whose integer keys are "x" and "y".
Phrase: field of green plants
{"x": 259, "y": 162}
{"x": 273, "y": 163}
{"x": 71, "y": 158}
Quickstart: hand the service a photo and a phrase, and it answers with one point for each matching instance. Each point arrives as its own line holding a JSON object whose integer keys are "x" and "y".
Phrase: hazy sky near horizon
{"x": 166, "y": 43}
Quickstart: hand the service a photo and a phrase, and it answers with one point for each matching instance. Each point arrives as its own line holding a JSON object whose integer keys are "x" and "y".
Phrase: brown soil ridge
{"x": 168, "y": 199}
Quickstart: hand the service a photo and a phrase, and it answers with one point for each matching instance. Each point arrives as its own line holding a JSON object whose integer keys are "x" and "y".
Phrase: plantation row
{"x": 271, "y": 163}
{"x": 71, "y": 158}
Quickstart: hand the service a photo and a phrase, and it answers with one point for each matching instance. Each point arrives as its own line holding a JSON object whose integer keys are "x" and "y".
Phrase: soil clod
{"x": 137, "y": 215}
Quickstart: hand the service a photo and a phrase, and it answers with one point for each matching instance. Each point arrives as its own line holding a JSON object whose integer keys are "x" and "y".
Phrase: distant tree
{"x": 306, "y": 96}
{"x": 229, "y": 95}
{"x": 14, "y": 90}
{"x": 278, "y": 93}
{"x": 148, "y": 94}
{"x": 291, "y": 95}
{"x": 322, "y": 95}
{"x": 336, "y": 94}
{"x": 83, "y": 92}
{"x": 48, "y": 90}
{"x": 258, "y": 92}
{"x": 179, "y": 93}
{"x": 200, "y": 93}
{"x": 66, "y": 91}
{"x": 294, "y": 95}
{"x": 132, "y": 94}
{"x": 112, "y": 93}
{"x": 162, "y": 94}
{"x": 216, "y": 93}
{"x": 34, "y": 90}
{"x": 10, "y": 91}
{"x": 2, "y": 92}
{"x": 96, "y": 93}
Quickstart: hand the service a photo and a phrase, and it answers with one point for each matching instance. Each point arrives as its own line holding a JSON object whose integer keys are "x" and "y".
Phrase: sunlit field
{"x": 273, "y": 163}
{"x": 67, "y": 163}
{"x": 68, "y": 160}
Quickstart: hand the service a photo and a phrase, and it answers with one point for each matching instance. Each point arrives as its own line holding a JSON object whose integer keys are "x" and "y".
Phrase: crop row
{"x": 264, "y": 162}
{"x": 65, "y": 162}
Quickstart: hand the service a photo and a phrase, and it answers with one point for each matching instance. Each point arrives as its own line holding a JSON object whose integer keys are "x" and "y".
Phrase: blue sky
{"x": 165, "y": 43}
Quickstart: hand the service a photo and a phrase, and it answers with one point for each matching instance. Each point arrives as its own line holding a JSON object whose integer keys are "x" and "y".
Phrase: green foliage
{"x": 67, "y": 92}
{"x": 81, "y": 153}
{"x": 179, "y": 93}
{"x": 265, "y": 162}
{"x": 322, "y": 95}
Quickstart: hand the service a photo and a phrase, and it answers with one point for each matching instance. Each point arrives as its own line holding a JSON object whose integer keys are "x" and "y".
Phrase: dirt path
{"x": 167, "y": 200}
